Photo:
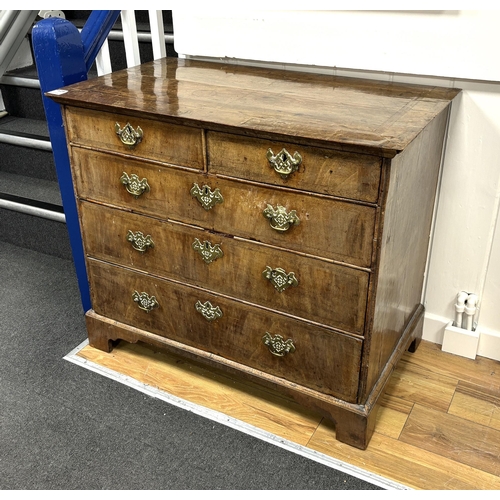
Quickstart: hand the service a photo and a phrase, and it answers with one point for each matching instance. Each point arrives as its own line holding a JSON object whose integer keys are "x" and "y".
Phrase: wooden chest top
{"x": 349, "y": 114}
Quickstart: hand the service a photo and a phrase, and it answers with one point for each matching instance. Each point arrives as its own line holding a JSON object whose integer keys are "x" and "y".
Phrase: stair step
{"x": 25, "y": 127}
{"x": 28, "y": 161}
{"x": 27, "y": 76}
{"x": 31, "y": 212}
{"x": 21, "y": 100}
{"x": 30, "y": 191}
{"x": 36, "y": 233}
{"x": 26, "y": 148}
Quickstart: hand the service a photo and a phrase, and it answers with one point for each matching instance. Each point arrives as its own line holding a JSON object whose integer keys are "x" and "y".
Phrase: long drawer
{"x": 346, "y": 175}
{"x": 329, "y": 228}
{"x": 306, "y": 287}
{"x": 270, "y": 342}
{"x": 159, "y": 141}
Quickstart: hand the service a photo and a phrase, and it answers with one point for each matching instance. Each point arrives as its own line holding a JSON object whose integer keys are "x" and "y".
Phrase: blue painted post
{"x": 59, "y": 57}
{"x": 63, "y": 57}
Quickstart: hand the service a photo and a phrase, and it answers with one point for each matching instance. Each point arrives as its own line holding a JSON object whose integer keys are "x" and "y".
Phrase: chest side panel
{"x": 404, "y": 245}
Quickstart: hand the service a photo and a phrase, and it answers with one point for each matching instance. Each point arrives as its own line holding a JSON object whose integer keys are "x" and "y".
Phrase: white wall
{"x": 451, "y": 48}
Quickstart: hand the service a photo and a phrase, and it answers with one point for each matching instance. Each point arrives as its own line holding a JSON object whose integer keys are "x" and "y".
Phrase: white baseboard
{"x": 488, "y": 345}
{"x": 434, "y": 328}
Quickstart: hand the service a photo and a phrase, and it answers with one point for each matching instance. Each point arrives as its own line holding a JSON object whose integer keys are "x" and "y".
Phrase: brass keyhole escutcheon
{"x": 284, "y": 163}
{"x": 207, "y": 198}
{"x": 129, "y": 136}
{"x": 140, "y": 242}
{"x": 144, "y": 301}
{"x": 279, "y": 219}
{"x": 277, "y": 345}
{"x": 134, "y": 185}
{"x": 280, "y": 279}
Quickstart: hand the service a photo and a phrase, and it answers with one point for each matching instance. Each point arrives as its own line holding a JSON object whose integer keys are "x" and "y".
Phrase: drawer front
{"x": 325, "y": 171}
{"x": 309, "y": 288}
{"x": 322, "y": 360}
{"x": 336, "y": 230}
{"x": 173, "y": 144}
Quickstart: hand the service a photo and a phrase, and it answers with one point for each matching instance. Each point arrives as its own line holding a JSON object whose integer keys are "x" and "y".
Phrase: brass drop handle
{"x": 277, "y": 345}
{"x": 208, "y": 311}
{"x": 280, "y": 279}
{"x": 140, "y": 242}
{"x": 208, "y": 252}
{"x": 134, "y": 185}
{"x": 128, "y": 135}
{"x": 279, "y": 219}
{"x": 284, "y": 163}
{"x": 144, "y": 301}
{"x": 207, "y": 198}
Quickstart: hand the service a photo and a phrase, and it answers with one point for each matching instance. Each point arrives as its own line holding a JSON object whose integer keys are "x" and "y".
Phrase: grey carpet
{"x": 64, "y": 427}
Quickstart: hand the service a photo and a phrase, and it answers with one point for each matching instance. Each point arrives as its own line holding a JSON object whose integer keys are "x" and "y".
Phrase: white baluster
{"x": 157, "y": 34}
{"x": 130, "y": 38}
{"x": 103, "y": 60}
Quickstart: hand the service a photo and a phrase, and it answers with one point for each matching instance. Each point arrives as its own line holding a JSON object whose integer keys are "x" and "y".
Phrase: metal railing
{"x": 14, "y": 25}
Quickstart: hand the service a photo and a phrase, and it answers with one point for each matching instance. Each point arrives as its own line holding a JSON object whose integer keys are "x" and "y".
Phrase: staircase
{"x": 31, "y": 211}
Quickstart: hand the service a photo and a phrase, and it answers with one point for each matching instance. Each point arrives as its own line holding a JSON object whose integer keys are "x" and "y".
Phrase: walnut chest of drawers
{"x": 271, "y": 223}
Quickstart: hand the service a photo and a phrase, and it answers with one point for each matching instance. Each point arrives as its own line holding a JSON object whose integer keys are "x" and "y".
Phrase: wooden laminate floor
{"x": 438, "y": 427}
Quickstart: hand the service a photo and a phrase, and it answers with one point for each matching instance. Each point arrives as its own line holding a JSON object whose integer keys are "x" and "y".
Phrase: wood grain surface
{"x": 415, "y": 443}
{"x": 328, "y": 228}
{"x": 363, "y": 191}
{"x": 344, "y": 111}
{"x": 324, "y": 293}
{"x": 403, "y": 243}
{"x": 325, "y": 171}
{"x": 237, "y": 335}
{"x": 160, "y": 141}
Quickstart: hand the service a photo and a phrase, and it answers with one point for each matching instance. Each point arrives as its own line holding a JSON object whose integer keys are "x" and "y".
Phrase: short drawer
{"x": 337, "y": 230}
{"x": 316, "y": 358}
{"x": 326, "y": 171}
{"x": 305, "y": 287}
{"x": 160, "y": 141}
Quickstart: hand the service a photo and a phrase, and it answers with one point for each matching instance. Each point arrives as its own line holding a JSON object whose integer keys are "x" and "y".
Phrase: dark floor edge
{"x": 223, "y": 419}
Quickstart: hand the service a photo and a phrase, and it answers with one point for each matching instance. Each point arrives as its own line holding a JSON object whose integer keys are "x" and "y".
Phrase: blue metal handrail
{"x": 63, "y": 56}
{"x": 95, "y": 32}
